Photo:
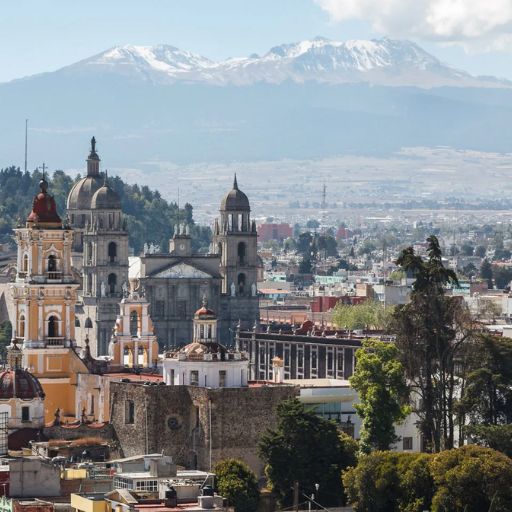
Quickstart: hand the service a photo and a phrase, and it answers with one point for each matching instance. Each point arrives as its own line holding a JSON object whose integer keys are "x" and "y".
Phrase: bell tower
{"x": 235, "y": 241}
{"x": 44, "y": 292}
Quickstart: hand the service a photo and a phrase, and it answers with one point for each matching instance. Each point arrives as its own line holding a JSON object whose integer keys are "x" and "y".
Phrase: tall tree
{"x": 430, "y": 332}
{"x": 379, "y": 379}
{"x": 307, "y": 449}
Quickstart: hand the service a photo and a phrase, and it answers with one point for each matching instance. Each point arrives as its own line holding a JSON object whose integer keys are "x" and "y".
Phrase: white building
{"x": 205, "y": 362}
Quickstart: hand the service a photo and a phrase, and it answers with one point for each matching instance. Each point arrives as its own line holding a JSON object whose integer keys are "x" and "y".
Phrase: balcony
{"x": 53, "y": 275}
{"x": 55, "y": 341}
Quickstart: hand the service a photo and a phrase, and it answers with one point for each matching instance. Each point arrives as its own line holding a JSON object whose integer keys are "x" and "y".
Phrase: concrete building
{"x": 33, "y": 477}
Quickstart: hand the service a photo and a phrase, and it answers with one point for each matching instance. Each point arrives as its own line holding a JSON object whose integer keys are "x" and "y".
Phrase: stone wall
{"x": 177, "y": 419}
{"x": 104, "y": 431}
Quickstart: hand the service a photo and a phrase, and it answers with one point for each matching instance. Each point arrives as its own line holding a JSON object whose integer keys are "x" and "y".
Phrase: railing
{"x": 55, "y": 341}
{"x": 53, "y": 275}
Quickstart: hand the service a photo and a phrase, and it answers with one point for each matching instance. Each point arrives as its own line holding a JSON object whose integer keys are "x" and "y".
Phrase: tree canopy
{"x": 307, "y": 449}
{"x": 379, "y": 379}
{"x": 237, "y": 483}
{"x": 150, "y": 218}
{"x": 367, "y": 315}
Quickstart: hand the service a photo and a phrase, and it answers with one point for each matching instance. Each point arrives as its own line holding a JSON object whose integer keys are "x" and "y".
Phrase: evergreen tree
{"x": 307, "y": 449}
{"x": 430, "y": 333}
{"x": 237, "y": 483}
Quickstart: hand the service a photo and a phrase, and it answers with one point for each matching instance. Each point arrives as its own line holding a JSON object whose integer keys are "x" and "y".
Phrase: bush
{"x": 237, "y": 483}
{"x": 470, "y": 479}
{"x": 467, "y": 479}
{"x": 389, "y": 482}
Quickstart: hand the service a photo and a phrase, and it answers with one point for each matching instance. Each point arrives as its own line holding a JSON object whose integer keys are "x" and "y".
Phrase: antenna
{"x": 178, "y": 216}
{"x": 324, "y": 204}
{"x": 26, "y": 142}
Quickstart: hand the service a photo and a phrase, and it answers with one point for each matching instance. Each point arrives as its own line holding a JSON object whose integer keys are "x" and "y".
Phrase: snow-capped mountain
{"x": 381, "y": 62}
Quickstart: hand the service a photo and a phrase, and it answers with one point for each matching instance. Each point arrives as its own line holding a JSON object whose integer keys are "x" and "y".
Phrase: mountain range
{"x": 379, "y": 62}
{"x": 153, "y": 106}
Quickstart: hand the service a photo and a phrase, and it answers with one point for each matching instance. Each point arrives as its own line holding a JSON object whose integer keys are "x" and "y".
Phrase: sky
{"x": 36, "y": 36}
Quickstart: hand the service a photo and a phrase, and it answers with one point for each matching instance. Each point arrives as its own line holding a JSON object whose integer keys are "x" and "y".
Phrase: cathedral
{"x": 174, "y": 282}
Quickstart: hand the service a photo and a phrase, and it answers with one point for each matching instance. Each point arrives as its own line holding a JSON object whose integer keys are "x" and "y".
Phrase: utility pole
{"x": 26, "y": 142}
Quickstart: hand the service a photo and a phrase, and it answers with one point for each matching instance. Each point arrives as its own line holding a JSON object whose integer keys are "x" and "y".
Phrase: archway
{"x": 53, "y": 327}
{"x": 112, "y": 252}
{"x": 241, "y": 284}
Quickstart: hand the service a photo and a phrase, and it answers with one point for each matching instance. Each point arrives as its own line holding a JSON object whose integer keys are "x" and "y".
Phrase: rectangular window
{"x": 91, "y": 405}
{"x": 129, "y": 412}
{"x": 172, "y": 378}
{"x": 194, "y": 378}
{"x": 159, "y": 309}
{"x": 314, "y": 361}
{"x": 300, "y": 361}
{"x": 181, "y": 309}
{"x": 25, "y": 414}
{"x": 340, "y": 356}
{"x": 222, "y": 378}
{"x": 286, "y": 360}
{"x": 262, "y": 362}
{"x": 329, "y": 371}
{"x": 407, "y": 443}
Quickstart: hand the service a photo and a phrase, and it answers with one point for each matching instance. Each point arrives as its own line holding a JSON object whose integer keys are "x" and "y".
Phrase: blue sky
{"x": 37, "y": 36}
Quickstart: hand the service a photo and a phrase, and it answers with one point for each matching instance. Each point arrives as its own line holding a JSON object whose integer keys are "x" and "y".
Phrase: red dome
{"x": 44, "y": 209}
{"x": 203, "y": 311}
{"x": 19, "y": 384}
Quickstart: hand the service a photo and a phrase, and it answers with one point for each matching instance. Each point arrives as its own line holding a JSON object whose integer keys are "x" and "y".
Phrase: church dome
{"x": 235, "y": 199}
{"x": 19, "y": 383}
{"x": 106, "y": 198}
{"x": 204, "y": 313}
{"x": 44, "y": 209}
{"x": 81, "y": 194}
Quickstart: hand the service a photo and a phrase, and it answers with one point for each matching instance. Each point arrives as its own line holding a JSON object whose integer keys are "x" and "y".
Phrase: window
{"x": 330, "y": 363}
{"x": 194, "y": 378}
{"x": 172, "y": 378}
{"x": 241, "y": 283}
{"x": 52, "y": 263}
{"x": 53, "y": 327}
{"x": 146, "y": 485}
{"x": 300, "y": 361}
{"x": 407, "y": 443}
{"x": 91, "y": 406}
{"x": 112, "y": 281}
{"x": 159, "y": 308}
{"x": 241, "y": 253}
{"x": 340, "y": 354}
{"x": 25, "y": 263}
{"x": 314, "y": 362}
{"x": 25, "y": 413}
{"x": 286, "y": 360}
{"x": 181, "y": 309}
{"x": 21, "y": 327}
{"x": 134, "y": 323}
{"x": 222, "y": 378}
{"x": 112, "y": 252}
{"x": 129, "y": 412}
{"x": 88, "y": 252}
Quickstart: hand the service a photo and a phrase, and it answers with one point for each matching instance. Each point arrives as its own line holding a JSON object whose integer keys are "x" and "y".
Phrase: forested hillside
{"x": 151, "y": 219}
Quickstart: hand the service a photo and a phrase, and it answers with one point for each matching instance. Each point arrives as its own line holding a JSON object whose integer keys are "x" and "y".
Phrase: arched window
{"x": 134, "y": 323}
{"x": 241, "y": 283}
{"x": 25, "y": 263}
{"x": 21, "y": 326}
{"x": 241, "y": 253}
{"x": 52, "y": 263}
{"x": 112, "y": 252}
{"x": 53, "y": 327}
{"x": 112, "y": 281}
{"x": 219, "y": 249}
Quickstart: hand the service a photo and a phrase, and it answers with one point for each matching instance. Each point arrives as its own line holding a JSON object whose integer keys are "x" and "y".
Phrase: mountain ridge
{"x": 388, "y": 62}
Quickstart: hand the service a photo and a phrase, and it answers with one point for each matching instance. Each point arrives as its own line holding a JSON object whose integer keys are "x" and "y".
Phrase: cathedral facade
{"x": 175, "y": 281}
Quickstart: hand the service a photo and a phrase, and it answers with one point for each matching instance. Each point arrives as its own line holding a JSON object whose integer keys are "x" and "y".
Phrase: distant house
{"x": 279, "y": 232}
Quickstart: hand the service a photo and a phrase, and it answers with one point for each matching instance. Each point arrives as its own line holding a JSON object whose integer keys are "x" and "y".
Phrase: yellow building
{"x": 44, "y": 295}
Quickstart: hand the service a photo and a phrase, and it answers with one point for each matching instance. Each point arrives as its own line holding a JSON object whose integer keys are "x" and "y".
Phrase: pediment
{"x": 182, "y": 271}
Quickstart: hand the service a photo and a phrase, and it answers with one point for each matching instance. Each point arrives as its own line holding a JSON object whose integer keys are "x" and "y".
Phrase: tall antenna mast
{"x": 178, "y": 233}
{"x": 26, "y": 142}
{"x": 324, "y": 192}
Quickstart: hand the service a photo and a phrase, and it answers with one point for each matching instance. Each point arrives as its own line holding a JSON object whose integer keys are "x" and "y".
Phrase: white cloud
{"x": 483, "y": 23}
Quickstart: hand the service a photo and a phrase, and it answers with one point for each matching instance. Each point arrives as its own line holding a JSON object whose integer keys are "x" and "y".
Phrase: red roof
{"x": 44, "y": 208}
{"x": 19, "y": 384}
